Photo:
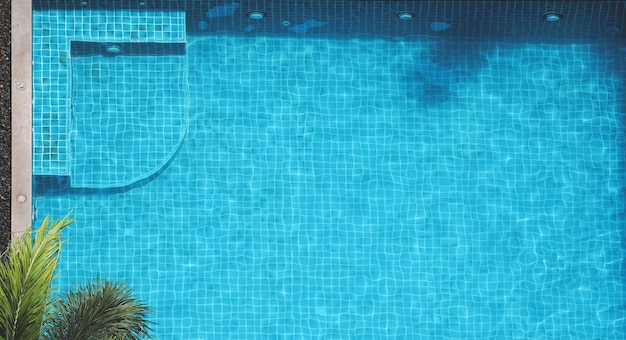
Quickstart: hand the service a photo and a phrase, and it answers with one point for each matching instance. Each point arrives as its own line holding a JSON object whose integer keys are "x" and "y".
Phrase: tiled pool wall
{"x": 380, "y": 19}
{"x": 371, "y": 18}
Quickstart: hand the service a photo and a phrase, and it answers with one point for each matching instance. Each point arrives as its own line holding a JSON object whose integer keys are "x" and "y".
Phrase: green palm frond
{"x": 26, "y": 274}
{"x": 99, "y": 310}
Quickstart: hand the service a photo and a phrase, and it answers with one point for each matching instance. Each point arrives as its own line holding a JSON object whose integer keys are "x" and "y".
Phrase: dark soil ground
{"x": 5, "y": 124}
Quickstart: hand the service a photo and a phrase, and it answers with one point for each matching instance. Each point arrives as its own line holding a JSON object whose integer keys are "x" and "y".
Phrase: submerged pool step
{"x": 136, "y": 32}
{"x": 129, "y": 111}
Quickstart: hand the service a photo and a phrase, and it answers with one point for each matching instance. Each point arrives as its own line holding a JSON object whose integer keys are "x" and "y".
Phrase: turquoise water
{"x": 355, "y": 189}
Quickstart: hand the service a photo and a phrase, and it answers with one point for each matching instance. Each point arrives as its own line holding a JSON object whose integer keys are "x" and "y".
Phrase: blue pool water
{"x": 351, "y": 188}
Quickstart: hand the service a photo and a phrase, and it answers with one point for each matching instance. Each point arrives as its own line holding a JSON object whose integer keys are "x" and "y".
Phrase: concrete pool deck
{"x": 21, "y": 108}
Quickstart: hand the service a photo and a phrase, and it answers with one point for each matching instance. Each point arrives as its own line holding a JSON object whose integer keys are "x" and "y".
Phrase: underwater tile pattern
{"x": 369, "y": 189}
{"x": 52, "y": 62}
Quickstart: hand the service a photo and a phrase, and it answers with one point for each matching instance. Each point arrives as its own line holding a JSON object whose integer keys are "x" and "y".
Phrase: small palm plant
{"x": 98, "y": 310}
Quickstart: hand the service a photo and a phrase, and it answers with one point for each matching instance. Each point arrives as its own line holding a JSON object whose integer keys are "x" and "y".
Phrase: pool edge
{"x": 21, "y": 116}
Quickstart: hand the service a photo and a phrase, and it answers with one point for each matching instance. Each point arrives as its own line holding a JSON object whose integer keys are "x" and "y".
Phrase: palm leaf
{"x": 26, "y": 274}
{"x": 98, "y": 310}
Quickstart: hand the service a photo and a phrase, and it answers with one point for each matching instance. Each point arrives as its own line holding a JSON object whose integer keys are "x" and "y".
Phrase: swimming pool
{"x": 415, "y": 170}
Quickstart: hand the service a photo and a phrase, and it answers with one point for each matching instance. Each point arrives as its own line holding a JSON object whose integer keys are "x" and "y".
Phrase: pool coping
{"x": 21, "y": 116}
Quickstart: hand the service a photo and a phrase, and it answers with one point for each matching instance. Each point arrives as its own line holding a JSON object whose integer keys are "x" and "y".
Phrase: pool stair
{"x": 67, "y": 42}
